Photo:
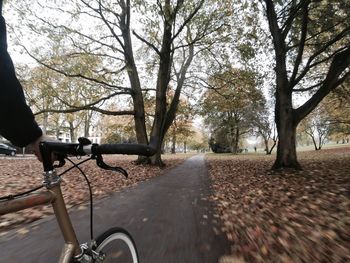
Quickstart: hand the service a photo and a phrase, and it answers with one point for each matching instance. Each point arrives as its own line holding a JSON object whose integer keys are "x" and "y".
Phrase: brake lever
{"x": 61, "y": 161}
{"x": 103, "y": 165}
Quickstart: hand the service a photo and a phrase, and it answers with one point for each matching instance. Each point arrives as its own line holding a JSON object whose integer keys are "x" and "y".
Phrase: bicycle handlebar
{"x": 131, "y": 149}
{"x": 77, "y": 149}
{"x": 85, "y": 147}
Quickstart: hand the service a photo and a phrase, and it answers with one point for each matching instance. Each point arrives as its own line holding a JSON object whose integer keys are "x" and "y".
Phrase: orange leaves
{"x": 18, "y": 175}
{"x": 285, "y": 217}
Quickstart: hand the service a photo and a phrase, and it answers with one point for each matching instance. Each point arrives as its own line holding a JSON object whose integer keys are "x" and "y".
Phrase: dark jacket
{"x": 17, "y": 122}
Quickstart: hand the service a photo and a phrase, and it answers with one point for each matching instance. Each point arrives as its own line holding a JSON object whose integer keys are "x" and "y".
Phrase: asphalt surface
{"x": 168, "y": 216}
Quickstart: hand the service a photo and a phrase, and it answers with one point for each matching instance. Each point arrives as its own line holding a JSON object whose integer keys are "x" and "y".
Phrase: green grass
{"x": 261, "y": 152}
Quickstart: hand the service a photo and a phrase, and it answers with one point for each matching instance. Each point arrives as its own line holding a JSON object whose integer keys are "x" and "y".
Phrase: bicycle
{"x": 105, "y": 247}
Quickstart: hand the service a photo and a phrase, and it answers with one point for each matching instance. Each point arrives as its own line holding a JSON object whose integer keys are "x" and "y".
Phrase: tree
{"x": 181, "y": 128}
{"x": 173, "y": 34}
{"x": 230, "y": 106}
{"x": 266, "y": 129}
{"x": 37, "y": 84}
{"x": 337, "y": 106}
{"x": 49, "y": 94}
{"x": 198, "y": 146}
{"x": 317, "y": 126}
{"x": 118, "y": 130}
{"x": 186, "y": 29}
{"x": 312, "y": 54}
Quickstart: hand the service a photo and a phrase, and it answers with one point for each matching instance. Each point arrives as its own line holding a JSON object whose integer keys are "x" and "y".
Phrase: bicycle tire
{"x": 117, "y": 245}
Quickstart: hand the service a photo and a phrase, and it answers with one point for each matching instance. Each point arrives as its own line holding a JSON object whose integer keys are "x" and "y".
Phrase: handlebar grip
{"x": 127, "y": 148}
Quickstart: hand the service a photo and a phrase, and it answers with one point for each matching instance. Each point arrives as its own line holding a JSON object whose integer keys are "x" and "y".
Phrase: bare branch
{"x": 305, "y": 17}
{"x": 92, "y": 103}
{"x": 75, "y": 75}
{"x": 188, "y": 19}
{"x": 109, "y": 26}
{"x": 106, "y": 112}
{"x": 292, "y": 15}
{"x": 335, "y": 77}
{"x": 320, "y": 51}
{"x": 80, "y": 34}
{"x": 90, "y": 106}
{"x": 147, "y": 42}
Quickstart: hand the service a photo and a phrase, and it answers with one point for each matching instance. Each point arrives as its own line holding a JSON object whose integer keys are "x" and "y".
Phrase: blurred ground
{"x": 268, "y": 217}
{"x": 18, "y": 174}
{"x": 284, "y": 217}
{"x": 169, "y": 217}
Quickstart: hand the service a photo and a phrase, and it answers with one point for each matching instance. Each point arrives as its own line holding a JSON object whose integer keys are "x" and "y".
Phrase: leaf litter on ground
{"x": 20, "y": 175}
{"x": 300, "y": 216}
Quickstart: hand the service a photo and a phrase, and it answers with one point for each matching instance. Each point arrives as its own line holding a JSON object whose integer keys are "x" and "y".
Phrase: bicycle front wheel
{"x": 118, "y": 246}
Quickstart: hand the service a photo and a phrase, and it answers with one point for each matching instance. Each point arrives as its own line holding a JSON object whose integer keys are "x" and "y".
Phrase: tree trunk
{"x": 57, "y": 133}
{"x": 232, "y": 144}
{"x": 137, "y": 96}
{"x": 45, "y": 122}
{"x": 311, "y": 134}
{"x": 286, "y": 127}
{"x": 286, "y": 149}
{"x": 266, "y": 141}
{"x": 273, "y": 146}
{"x": 314, "y": 142}
{"x": 173, "y": 142}
{"x": 87, "y": 122}
{"x": 157, "y": 158}
{"x": 285, "y": 121}
{"x": 236, "y": 147}
{"x": 285, "y": 118}
{"x": 320, "y": 142}
{"x": 45, "y": 116}
{"x": 159, "y": 127}
{"x": 72, "y": 132}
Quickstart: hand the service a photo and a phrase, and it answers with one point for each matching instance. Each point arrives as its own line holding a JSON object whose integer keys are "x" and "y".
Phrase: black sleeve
{"x": 17, "y": 123}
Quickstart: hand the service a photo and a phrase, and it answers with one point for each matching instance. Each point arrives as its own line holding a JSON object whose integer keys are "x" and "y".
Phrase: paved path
{"x": 168, "y": 216}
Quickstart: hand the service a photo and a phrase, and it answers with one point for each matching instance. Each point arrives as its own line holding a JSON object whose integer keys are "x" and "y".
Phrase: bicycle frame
{"x": 71, "y": 250}
{"x": 54, "y": 197}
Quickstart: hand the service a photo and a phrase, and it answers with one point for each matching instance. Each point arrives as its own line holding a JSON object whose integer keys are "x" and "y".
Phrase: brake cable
{"x": 10, "y": 197}
{"x": 99, "y": 162}
{"x": 90, "y": 195}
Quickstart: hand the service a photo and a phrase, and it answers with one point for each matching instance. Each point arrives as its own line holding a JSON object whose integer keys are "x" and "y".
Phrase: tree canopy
{"x": 230, "y": 106}
{"x": 168, "y": 36}
{"x": 95, "y": 53}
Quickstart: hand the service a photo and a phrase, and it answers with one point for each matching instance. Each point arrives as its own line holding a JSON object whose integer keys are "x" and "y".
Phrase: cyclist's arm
{"x": 17, "y": 123}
